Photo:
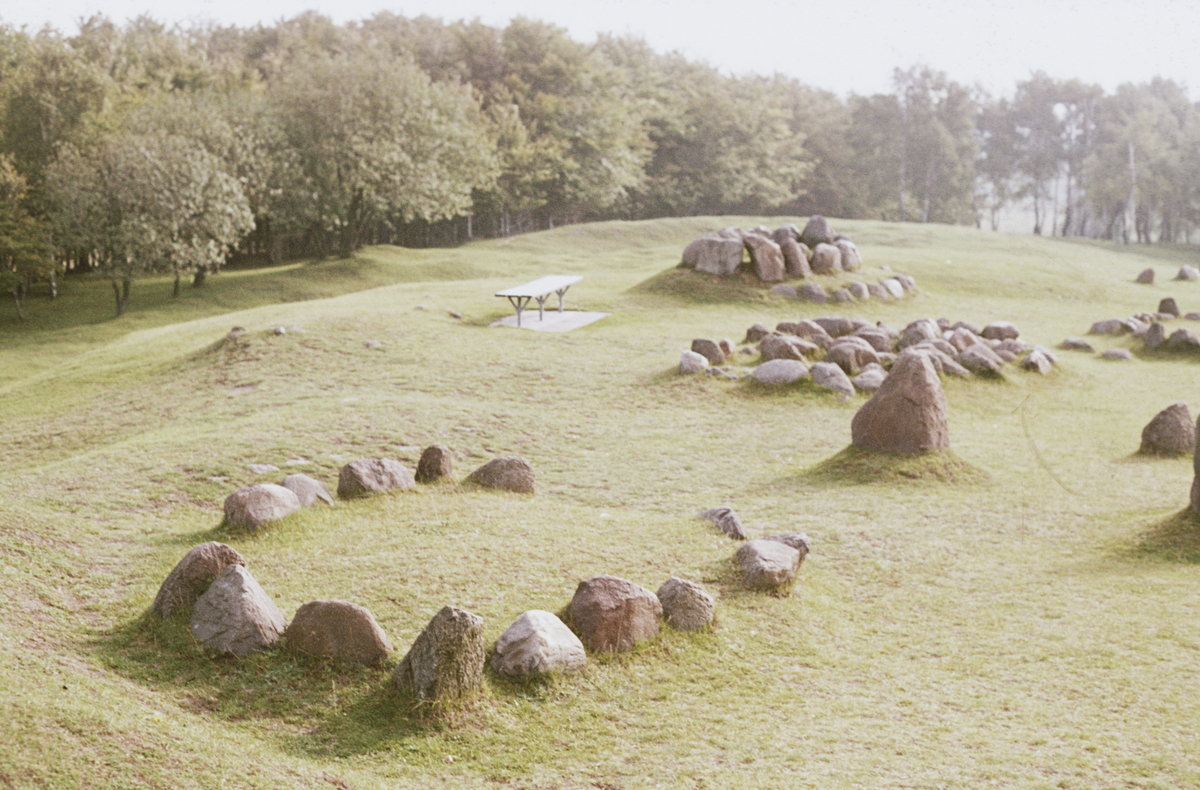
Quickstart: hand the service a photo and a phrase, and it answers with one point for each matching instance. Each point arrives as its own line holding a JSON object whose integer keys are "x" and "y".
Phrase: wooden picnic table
{"x": 539, "y": 289}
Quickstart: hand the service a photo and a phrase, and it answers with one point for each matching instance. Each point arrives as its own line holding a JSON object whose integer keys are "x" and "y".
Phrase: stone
{"x": 716, "y": 255}
{"x": 1117, "y": 354}
{"x": 831, "y": 376}
{"x": 877, "y": 337}
{"x": 262, "y": 469}
{"x": 1146, "y": 277}
{"x": 877, "y": 291}
{"x": 766, "y": 257}
{"x": 507, "y": 473}
{"x": 1171, "y": 432}
{"x": 1076, "y": 344}
{"x": 826, "y": 259}
{"x": 1183, "y": 338}
{"x": 1192, "y": 316}
{"x": 236, "y": 332}
{"x": 726, "y": 520}
{"x": 784, "y": 290}
{"x": 860, "y": 291}
{"x": 253, "y": 506}
{"x": 919, "y": 331}
{"x": 446, "y": 659}
{"x": 797, "y": 540}
{"x": 776, "y": 372}
{"x": 726, "y": 346}
{"x": 436, "y": 464}
{"x": 894, "y": 288}
{"x": 537, "y": 643}
{"x": 338, "y": 630}
{"x": 980, "y": 358}
{"x": 768, "y": 565}
{"x": 1155, "y": 336}
{"x": 1012, "y": 346}
{"x": 795, "y": 258}
{"x": 786, "y": 347}
{"x": 963, "y": 338}
{"x": 307, "y": 490}
{"x": 813, "y": 292}
{"x": 1036, "y": 360}
{"x": 611, "y": 615}
{"x": 235, "y": 615}
{"x": 816, "y": 231}
{"x": 731, "y": 232}
{"x": 691, "y": 253}
{"x": 709, "y": 350}
{"x": 1001, "y": 330}
{"x": 870, "y": 379}
{"x": 279, "y": 330}
{"x": 373, "y": 475}
{"x": 908, "y": 282}
{"x": 1005, "y": 356}
{"x": 1196, "y": 469}
{"x": 851, "y": 258}
{"x": 191, "y": 576}
{"x": 1113, "y": 326}
{"x": 686, "y": 605}
{"x": 907, "y": 414}
{"x": 1188, "y": 273}
{"x": 851, "y": 353}
{"x": 1169, "y": 306}
{"x": 834, "y": 325}
{"x": 813, "y": 332}
{"x": 756, "y": 333}
{"x": 786, "y": 232}
{"x": 691, "y": 362}
{"x": 843, "y": 295}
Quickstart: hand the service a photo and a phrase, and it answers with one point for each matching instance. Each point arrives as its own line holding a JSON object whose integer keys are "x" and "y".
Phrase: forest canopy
{"x": 138, "y": 148}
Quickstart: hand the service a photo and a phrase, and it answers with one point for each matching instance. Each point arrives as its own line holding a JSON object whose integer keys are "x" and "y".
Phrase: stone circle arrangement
{"x": 1150, "y": 328}
{"x": 791, "y": 253}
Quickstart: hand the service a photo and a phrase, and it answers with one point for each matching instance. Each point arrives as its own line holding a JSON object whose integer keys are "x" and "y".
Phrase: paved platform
{"x": 553, "y": 322}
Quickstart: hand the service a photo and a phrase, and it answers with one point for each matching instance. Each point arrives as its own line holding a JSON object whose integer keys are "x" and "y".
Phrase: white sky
{"x": 840, "y": 45}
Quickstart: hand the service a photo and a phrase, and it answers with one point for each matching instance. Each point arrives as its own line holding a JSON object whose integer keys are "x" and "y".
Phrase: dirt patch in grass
{"x": 856, "y": 466}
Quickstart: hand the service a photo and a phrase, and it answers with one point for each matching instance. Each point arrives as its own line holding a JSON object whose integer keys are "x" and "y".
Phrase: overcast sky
{"x": 840, "y": 45}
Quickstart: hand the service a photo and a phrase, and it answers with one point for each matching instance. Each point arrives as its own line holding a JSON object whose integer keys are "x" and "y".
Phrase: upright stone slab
{"x": 611, "y": 615}
{"x": 191, "y": 576}
{"x": 373, "y": 475}
{"x": 766, "y": 257}
{"x": 907, "y": 414}
{"x": 720, "y": 256}
{"x": 339, "y": 631}
{"x": 1170, "y": 432}
{"x": 235, "y": 616}
{"x": 538, "y": 643}
{"x": 851, "y": 257}
{"x": 795, "y": 259}
{"x": 1169, "y": 306}
{"x": 1146, "y": 276}
{"x": 446, "y": 660}
{"x": 435, "y": 464}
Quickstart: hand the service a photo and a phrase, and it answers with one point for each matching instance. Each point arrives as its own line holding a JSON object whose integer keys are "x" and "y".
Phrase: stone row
{"x": 774, "y": 255}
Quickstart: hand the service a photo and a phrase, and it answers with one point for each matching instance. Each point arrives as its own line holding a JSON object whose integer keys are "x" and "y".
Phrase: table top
{"x": 542, "y": 285}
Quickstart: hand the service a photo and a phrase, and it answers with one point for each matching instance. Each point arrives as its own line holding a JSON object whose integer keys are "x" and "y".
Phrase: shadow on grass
{"x": 1174, "y": 539}
{"x": 856, "y": 466}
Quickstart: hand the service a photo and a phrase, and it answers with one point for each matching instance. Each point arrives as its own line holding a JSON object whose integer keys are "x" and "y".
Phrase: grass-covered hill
{"x": 1033, "y": 623}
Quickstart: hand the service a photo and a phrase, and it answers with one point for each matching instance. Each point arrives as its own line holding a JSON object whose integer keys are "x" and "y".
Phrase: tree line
{"x": 139, "y": 148}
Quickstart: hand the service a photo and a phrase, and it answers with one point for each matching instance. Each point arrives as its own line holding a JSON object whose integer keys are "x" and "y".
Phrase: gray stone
{"x": 851, "y": 258}
{"x": 1171, "y": 432}
{"x": 507, "y": 473}
{"x": 338, "y": 630}
{"x": 797, "y": 540}
{"x": 816, "y": 231}
{"x": 908, "y": 282}
{"x": 963, "y": 338}
{"x": 919, "y": 331}
{"x": 843, "y": 295}
{"x": 714, "y": 255}
{"x": 726, "y": 520}
{"x": 860, "y": 290}
{"x": 795, "y": 258}
{"x": 1001, "y": 330}
{"x": 1113, "y": 326}
{"x": 686, "y": 605}
{"x": 1192, "y": 316}
{"x": 446, "y": 659}
{"x": 768, "y": 565}
{"x": 878, "y": 291}
{"x": 691, "y": 362}
{"x": 726, "y": 346}
{"x": 834, "y": 325}
{"x": 1183, "y": 338}
{"x": 784, "y": 290}
{"x": 373, "y": 475}
{"x": 756, "y": 333}
{"x": 1188, "y": 273}
{"x": 894, "y": 288}
{"x": 870, "y": 379}
{"x": 1146, "y": 277}
{"x": 908, "y": 412}
{"x": 831, "y": 376}
{"x": 1169, "y": 307}
{"x": 1118, "y": 354}
{"x": 980, "y": 358}
{"x": 538, "y": 643}
{"x": 766, "y": 257}
{"x": 780, "y": 371}
{"x": 813, "y": 292}
{"x": 851, "y": 354}
{"x": 709, "y": 350}
{"x": 813, "y": 332}
{"x": 826, "y": 259}
{"x": 253, "y": 506}
{"x": 235, "y": 616}
{"x": 307, "y": 490}
{"x": 1155, "y": 336}
{"x": 611, "y": 615}
{"x": 786, "y": 347}
{"x": 786, "y": 232}
{"x": 1076, "y": 344}
{"x": 262, "y": 469}
{"x": 1012, "y": 346}
{"x": 877, "y": 337}
{"x": 1036, "y": 360}
{"x": 191, "y": 576}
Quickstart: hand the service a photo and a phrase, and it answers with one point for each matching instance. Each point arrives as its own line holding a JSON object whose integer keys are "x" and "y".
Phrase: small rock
{"x": 780, "y": 371}
{"x": 709, "y": 350}
{"x": 871, "y": 378}
{"x": 373, "y": 344}
{"x": 1076, "y": 344}
{"x": 831, "y": 376}
{"x": 878, "y": 291}
{"x": 1169, "y": 307}
{"x": 236, "y": 332}
{"x": 446, "y": 659}
{"x": 1155, "y": 336}
{"x": 1182, "y": 338}
{"x": 435, "y": 464}
{"x": 307, "y": 490}
{"x": 784, "y": 290}
{"x": 1038, "y": 361}
{"x": 813, "y": 292}
{"x": 1113, "y": 326}
{"x": 1000, "y": 330}
{"x": 860, "y": 291}
{"x": 262, "y": 469}
{"x": 457, "y": 316}
{"x": 538, "y": 643}
{"x": 235, "y": 616}
{"x": 768, "y": 565}
{"x": 757, "y": 333}
{"x": 254, "y": 506}
{"x": 894, "y": 288}
{"x": 611, "y": 615}
{"x": 373, "y": 475}
{"x": 797, "y": 540}
{"x": 279, "y": 330}
{"x": 726, "y": 347}
{"x": 1171, "y": 432}
{"x": 506, "y": 474}
{"x": 685, "y": 605}
{"x": 980, "y": 358}
{"x": 1146, "y": 277}
{"x": 1188, "y": 273}
{"x": 690, "y": 362}
{"x": 339, "y": 631}
{"x": 1119, "y": 354}
{"x": 725, "y": 520}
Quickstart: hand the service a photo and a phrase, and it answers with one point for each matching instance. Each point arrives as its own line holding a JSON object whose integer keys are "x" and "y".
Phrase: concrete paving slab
{"x": 553, "y": 322}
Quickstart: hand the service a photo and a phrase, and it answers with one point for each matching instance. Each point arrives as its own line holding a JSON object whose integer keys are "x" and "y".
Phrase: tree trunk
{"x": 117, "y": 293}
{"x": 199, "y": 277}
{"x": 1131, "y": 208}
{"x": 53, "y": 284}
{"x": 175, "y": 293}
{"x": 20, "y": 300}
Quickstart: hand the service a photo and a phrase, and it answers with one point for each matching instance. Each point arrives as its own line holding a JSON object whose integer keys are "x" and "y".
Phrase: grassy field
{"x": 1031, "y": 622}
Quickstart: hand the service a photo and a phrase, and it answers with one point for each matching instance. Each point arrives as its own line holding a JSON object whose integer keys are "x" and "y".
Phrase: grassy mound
{"x": 858, "y": 466}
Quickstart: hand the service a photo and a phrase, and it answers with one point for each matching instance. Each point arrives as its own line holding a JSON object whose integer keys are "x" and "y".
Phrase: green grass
{"x": 1018, "y": 612}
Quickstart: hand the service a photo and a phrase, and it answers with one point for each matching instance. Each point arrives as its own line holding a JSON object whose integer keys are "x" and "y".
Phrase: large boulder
{"x": 373, "y": 475}
{"x": 775, "y": 372}
{"x": 786, "y": 232}
{"x": 235, "y": 615}
{"x": 907, "y": 414}
{"x": 507, "y": 474}
{"x": 851, "y": 258}
{"x": 710, "y": 350}
{"x": 253, "y": 506}
{"x": 714, "y": 254}
{"x": 826, "y": 259}
{"x": 816, "y": 231}
{"x": 686, "y": 605}
{"x": 766, "y": 258}
{"x": 768, "y": 565}
{"x": 726, "y": 520}
{"x": 436, "y": 464}
{"x": 611, "y": 615}
{"x": 537, "y": 643}
{"x": 191, "y": 576}
{"x": 1182, "y": 338}
{"x": 795, "y": 258}
{"x": 307, "y": 490}
{"x": 338, "y": 630}
{"x": 446, "y": 659}
{"x": 831, "y": 376}
{"x": 1171, "y": 432}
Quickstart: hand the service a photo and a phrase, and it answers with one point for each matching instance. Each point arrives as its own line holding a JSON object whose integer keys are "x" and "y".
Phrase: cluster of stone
{"x": 1150, "y": 328}
{"x": 1186, "y": 273}
{"x": 849, "y": 355}
{"x": 774, "y": 255}
{"x": 767, "y": 564}
{"x": 254, "y": 506}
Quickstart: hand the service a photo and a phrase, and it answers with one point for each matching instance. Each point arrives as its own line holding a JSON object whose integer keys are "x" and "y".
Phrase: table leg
{"x": 562, "y": 292}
